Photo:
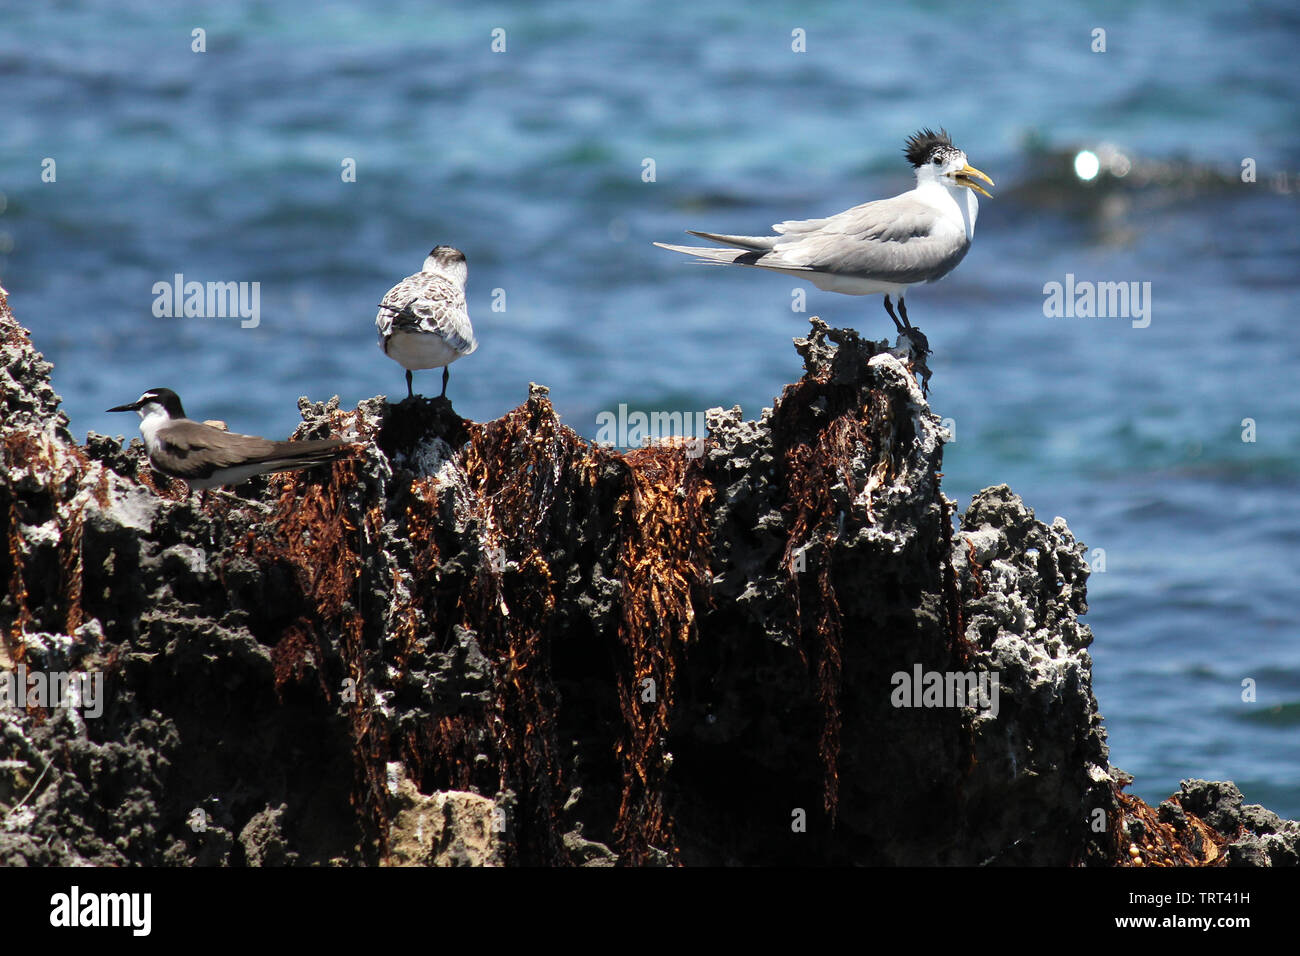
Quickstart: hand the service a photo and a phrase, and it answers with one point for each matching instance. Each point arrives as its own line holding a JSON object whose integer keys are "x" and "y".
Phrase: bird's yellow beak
{"x": 964, "y": 178}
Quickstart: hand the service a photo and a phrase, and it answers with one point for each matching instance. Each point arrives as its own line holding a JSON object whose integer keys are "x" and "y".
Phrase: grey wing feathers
{"x": 196, "y": 451}
{"x": 892, "y": 240}
{"x": 428, "y": 303}
{"x": 291, "y": 456}
{"x": 743, "y": 242}
{"x": 314, "y": 450}
{"x": 739, "y": 257}
{"x": 895, "y": 240}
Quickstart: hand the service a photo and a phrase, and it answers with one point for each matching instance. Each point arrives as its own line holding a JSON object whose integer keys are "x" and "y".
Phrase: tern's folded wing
{"x": 892, "y": 240}
{"x": 193, "y": 451}
{"x": 428, "y": 303}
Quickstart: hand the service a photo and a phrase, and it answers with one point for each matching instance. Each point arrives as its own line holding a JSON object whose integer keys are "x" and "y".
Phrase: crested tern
{"x": 423, "y": 321}
{"x": 206, "y": 456}
{"x": 884, "y": 246}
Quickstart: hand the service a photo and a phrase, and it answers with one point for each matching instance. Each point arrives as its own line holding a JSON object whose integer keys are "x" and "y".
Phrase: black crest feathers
{"x": 921, "y": 144}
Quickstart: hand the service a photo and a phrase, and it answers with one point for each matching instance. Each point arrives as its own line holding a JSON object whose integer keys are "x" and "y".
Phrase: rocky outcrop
{"x": 498, "y": 643}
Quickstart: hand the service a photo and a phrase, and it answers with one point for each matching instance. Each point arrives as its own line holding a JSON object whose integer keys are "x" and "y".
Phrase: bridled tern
{"x": 207, "y": 457}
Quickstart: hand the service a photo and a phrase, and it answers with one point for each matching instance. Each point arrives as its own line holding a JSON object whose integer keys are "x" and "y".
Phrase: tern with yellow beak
{"x": 884, "y": 246}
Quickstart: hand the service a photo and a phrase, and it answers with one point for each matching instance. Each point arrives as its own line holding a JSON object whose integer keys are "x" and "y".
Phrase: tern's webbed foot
{"x": 916, "y": 347}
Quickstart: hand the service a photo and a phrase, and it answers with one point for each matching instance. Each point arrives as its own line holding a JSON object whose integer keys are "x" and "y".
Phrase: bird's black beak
{"x": 125, "y": 408}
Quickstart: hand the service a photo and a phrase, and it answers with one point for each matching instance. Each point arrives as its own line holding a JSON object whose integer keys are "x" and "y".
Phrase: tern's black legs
{"x": 917, "y": 344}
{"x": 905, "y": 325}
{"x": 446, "y": 375}
{"x": 890, "y": 309}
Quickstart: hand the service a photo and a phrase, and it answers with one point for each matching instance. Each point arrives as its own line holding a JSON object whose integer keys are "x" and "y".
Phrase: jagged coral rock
{"x": 1023, "y": 585}
{"x": 445, "y": 828}
{"x": 573, "y": 654}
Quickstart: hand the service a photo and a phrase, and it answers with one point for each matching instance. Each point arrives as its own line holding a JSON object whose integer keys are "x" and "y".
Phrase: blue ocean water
{"x": 225, "y": 165}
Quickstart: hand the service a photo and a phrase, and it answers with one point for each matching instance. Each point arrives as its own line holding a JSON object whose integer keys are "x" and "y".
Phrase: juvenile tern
{"x": 207, "y": 457}
{"x": 884, "y": 246}
{"x": 423, "y": 322}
